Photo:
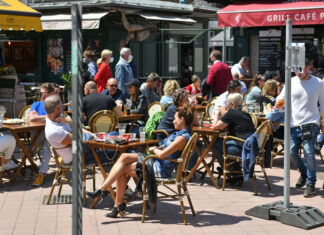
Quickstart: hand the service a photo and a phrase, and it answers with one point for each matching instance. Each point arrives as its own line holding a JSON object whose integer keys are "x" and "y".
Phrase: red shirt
{"x": 219, "y": 76}
{"x": 192, "y": 90}
{"x": 101, "y": 78}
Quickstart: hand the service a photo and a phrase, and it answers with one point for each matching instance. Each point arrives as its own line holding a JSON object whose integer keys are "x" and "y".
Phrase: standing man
{"x": 114, "y": 92}
{"x": 38, "y": 114}
{"x": 307, "y": 93}
{"x": 94, "y": 102}
{"x": 219, "y": 74}
{"x": 123, "y": 71}
{"x": 242, "y": 68}
{"x": 149, "y": 88}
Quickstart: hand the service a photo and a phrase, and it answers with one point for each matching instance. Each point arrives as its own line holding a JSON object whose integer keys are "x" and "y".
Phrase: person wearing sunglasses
{"x": 114, "y": 92}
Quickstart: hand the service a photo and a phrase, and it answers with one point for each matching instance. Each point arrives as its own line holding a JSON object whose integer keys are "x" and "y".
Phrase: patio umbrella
{"x": 15, "y": 15}
{"x": 271, "y": 13}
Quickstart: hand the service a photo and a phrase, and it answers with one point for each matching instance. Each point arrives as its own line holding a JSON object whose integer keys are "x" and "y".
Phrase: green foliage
{"x": 67, "y": 78}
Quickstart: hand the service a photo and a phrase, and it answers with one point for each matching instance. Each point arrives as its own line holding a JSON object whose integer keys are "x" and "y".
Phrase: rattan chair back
{"x": 154, "y": 107}
{"x": 103, "y": 121}
{"x": 24, "y": 113}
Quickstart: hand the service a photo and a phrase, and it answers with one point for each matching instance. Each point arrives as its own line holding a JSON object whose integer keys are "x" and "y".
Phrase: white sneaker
{"x": 9, "y": 165}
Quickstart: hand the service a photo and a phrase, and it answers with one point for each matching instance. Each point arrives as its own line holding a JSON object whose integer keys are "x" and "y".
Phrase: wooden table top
{"x": 204, "y": 130}
{"x": 24, "y": 127}
{"x": 135, "y": 144}
{"x": 131, "y": 117}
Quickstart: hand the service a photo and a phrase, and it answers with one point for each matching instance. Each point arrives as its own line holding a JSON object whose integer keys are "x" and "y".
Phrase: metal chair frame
{"x": 179, "y": 179}
{"x": 264, "y": 131}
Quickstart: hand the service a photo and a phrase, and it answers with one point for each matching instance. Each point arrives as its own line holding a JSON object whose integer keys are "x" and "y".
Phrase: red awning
{"x": 271, "y": 13}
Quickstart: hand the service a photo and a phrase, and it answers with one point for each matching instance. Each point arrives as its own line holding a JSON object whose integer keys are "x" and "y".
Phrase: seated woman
{"x": 239, "y": 124}
{"x": 169, "y": 88}
{"x": 194, "y": 87}
{"x": 139, "y": 103}
{"x": 269, "y": 92}
{"x": 255, "y": 92}
{"x": 125, "y": 166}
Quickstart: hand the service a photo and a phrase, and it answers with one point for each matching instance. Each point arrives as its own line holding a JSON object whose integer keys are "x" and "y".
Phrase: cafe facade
{"x": 168, "y": 38}
{"x": 259, "y": 31}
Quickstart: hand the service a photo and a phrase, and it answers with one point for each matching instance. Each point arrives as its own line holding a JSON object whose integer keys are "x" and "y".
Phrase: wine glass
{"x": 3, "y": 110}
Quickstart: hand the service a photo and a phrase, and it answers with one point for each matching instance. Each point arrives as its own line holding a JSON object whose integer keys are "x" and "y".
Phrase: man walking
{"x": 219, "y": 74}
{"x": 123, "y": 71}
{"x": 307, "y": 92}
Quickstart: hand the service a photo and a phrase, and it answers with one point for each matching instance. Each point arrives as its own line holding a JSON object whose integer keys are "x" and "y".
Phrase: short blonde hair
{"x": 170, "y": 87}
{"x": 104, "y": 54}
{"x": 269, "y": 86}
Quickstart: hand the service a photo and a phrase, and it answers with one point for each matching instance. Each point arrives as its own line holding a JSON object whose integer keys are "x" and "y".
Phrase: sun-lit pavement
{"x": 218, "y": 212}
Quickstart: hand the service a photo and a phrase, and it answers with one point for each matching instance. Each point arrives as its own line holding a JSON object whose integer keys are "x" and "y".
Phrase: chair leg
{"x": 53, "y": 186}
{"x": 254, "y": 184}
{"x": 60, "y": 188}
{"x": 189, "y": 198}
{"x": 94, "y": 178}
{"x": 182, "y": 206}
{"x": 144, "y": 201}
{"x": 266, "y": 177}
{"x": 224, "y": 174}
{"x": 154, "y": 207}
{"x": 84, "y": 179}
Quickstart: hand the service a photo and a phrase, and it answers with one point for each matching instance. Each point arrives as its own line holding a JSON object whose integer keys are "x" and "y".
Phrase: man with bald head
{"x": 114, "y": 92}
{"x": 94, "y": 102}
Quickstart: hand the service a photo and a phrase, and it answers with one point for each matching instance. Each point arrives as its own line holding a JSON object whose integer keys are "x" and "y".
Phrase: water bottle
{"x": 1, "y": 121}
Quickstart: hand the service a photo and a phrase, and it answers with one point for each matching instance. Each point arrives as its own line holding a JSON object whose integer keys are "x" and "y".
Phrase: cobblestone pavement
{"x": 218, "y": 212}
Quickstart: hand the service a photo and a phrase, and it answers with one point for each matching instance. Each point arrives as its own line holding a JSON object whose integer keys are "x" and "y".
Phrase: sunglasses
{"x": 44, "y": 93}
{"x": 113, "y": 85}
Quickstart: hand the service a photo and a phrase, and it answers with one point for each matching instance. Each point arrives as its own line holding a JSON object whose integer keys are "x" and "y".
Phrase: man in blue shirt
{"x": 123, "y": 71}
{"x": 114, "y": 92}
{"x": 38, "y": 114}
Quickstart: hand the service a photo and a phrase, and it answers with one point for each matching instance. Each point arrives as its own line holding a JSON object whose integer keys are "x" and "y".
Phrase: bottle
{"x": 1, "y": 121}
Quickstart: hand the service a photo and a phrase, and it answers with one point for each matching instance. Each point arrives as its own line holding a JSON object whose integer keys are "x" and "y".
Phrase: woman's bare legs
{"x": 118, "y": 169}
{"x": 121, "y": 182}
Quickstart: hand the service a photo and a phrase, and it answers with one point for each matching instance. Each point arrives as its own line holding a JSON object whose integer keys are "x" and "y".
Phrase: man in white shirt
{"x": 242, "y": 68}
{"x": 307, "y": 92}
{"x": 220, "y": 109}
{"x": 58, "y": 130}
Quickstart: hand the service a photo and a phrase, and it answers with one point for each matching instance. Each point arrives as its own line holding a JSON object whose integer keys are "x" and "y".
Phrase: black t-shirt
{"x": 240, "y": 124}
{"x": 167, "y": 120}
{"x": 95, "y": 102}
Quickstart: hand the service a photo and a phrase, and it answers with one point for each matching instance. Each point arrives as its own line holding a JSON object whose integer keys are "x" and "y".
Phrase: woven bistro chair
{"x": 264, "y": 132}
{"x": 166, "y": 107}
{"x": 154, "y": 108}
{"x": 210, "y": 108}
{"x": 103, "y": 121}
{"x": 178, "y": 179}
{"x": 62, "y": 170}
{"x": 254, "y": 120}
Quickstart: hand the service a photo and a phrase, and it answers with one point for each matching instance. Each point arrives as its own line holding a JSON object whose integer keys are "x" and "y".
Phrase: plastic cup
{"x": 142, "y": 133}
{"x": 122, "y": 132}
{"x": 281, "y": 103}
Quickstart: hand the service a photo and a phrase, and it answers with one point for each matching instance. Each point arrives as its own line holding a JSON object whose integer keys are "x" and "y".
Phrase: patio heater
{"x": 305, "y": 217}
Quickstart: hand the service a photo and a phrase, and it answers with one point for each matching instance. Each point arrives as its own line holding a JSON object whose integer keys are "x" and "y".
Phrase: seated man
{"x": 220, "y": 109}
{"x": 37, "y": 114}
{"x": 239, "y": 123}
{"x": 58, "y": 130}
{"x": 149, "y": 88}
{"x": 114, "y": 92}
{"x": 94, "y": 102}
{"x": 242, "y": 68}
{"x": 7, "y": 146}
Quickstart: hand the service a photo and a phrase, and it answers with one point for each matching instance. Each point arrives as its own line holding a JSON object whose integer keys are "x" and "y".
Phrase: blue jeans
{"x": 231, "y": 148}
{"x": 307, "y": 167}
{"x": 320, "y": 140}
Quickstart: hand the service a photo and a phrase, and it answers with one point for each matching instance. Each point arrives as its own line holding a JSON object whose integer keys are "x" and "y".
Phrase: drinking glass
{"x": 121, "y": 128}
{"x": 142, "y": 133}
{"x": 257, "y": 108}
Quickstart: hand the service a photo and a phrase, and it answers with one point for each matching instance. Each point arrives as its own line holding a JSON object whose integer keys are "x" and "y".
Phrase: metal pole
{"x": 287, "y": 114}
{"x": 224, "y": 46}
{"x": 76, "y": 45}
